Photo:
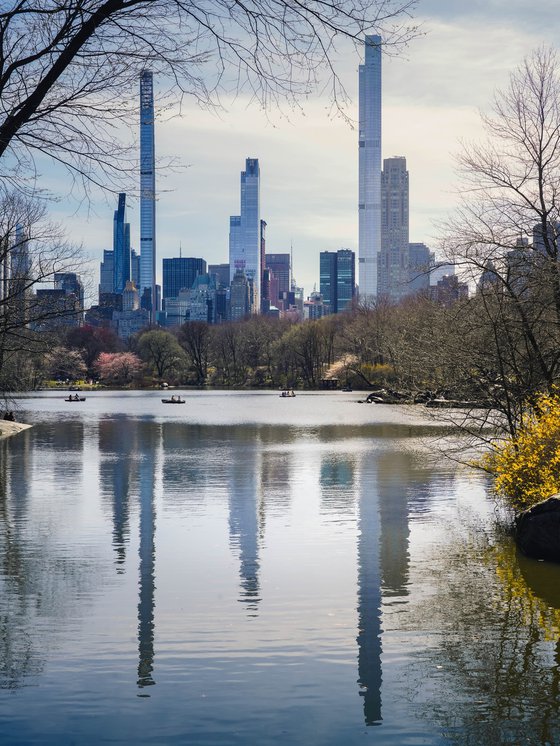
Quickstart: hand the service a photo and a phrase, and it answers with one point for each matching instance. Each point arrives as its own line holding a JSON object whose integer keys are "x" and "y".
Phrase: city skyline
{"x": 431, "y": 99}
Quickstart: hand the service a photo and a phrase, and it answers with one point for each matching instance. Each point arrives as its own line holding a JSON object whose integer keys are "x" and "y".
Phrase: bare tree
{"x": 69, "y": 68}
{"x": 194, "y": 338}
{"x": 33, "y": 251}
{"x": 505, "y": 237}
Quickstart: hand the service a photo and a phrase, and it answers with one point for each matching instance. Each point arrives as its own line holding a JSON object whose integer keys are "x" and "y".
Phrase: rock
{"x": 537, "y": 530}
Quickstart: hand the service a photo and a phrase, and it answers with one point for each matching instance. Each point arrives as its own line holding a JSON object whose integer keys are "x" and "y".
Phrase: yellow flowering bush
{"x": 527, "y": 467}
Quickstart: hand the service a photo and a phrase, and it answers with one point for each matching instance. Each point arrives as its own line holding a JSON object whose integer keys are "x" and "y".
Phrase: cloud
{"x": 309, "y": 168}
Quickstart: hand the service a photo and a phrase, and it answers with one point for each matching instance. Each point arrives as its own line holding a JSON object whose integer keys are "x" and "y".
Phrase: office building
{"x": 246, "y": 231}
{"x": 240, "y": 297}
{"x": 121, "y": 247}
{"x": 392, "y": 267}
{"x": 420, "y": 263}
{"x": 314, "y": 307}
{"x": 263, "y": 254}
{"x": 130, "y": 297}
{"x": 106, "y": 272}
{"x": 135, "y": 268}
{"x": 337, "y": 279}
{"x": 17, "y": 286}
{"x": 71, "y": 284}
{"x": 180, "y": 273}
{"x": 449, "y": 290}
{"x": 369, "y": 166}
{"x": 220, "y": 274}
{"x": 147, "y": 194}
{"x": 280, "y": 266}
{"x": 61, "y": 306}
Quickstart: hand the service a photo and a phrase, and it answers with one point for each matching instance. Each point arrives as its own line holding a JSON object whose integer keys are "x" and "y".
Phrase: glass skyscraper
{"x": 121, "y": 247}
{"x": 369, "y": 164}
{"x": 179, "y": 273}
{"x": 337, "y": 279}
{"x": 147, "y": 190}
{"x": 245, "y": 230}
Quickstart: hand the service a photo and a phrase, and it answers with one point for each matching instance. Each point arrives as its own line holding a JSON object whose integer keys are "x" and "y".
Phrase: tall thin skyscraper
{"x": 245, "y": 230}
{"x": 392, "y": 272}
{"x": 121, "y": 247}
{"x": 147, "y": 190}
{"x": 369, "y": 163}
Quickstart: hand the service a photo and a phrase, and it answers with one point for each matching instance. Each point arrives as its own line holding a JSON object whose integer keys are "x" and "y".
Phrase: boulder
{"x": 537, "y": 530}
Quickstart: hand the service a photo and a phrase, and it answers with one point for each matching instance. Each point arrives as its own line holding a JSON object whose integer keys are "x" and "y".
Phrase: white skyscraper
{"x": 245, "y": 230}
{"x": 147, "y": 190}
{"x": 369, "y": 167}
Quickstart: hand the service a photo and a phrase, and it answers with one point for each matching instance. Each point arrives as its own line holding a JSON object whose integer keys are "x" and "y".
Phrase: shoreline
{"x": 7, "y": 428}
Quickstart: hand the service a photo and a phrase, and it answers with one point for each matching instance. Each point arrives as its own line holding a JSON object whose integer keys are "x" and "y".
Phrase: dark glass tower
{"x": 180, "y": 273}
{"x": 338, "y": 279}
{"x": 121, "y": 247}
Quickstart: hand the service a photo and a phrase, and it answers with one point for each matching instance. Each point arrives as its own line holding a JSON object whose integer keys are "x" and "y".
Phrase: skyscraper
{"x": 420, "y": 262}
{"x": 279, "y": 264}
{"x": 245, "y": 237}
{"x": 369, "y": 164}
{"x": 121, "y": 247}
{"x": 337, "y": 279}
{"x": 392, "y": 272}
{"x": 180, "y": 273}
{"x": 147, "y": 190}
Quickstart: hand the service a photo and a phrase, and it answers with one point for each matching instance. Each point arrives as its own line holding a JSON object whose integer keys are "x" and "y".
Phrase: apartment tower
{"x": 392, "y": 271}
{"x": 147, "y": 191}
{"x": 369, "y": 164}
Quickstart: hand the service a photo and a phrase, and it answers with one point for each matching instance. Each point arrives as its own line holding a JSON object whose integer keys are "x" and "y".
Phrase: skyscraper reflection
{"x": 369, "y": 594}
{"x": 244, "y": 511}
{"x": 148, "y": 441}
{"x": 117, "y": 448}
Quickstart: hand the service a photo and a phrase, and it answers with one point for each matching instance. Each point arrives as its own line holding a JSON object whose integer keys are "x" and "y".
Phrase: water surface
{"x": 246, "y": 569}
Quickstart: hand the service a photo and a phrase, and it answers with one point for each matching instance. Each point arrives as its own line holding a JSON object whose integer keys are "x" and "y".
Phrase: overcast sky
{"x": 432, "y": 96}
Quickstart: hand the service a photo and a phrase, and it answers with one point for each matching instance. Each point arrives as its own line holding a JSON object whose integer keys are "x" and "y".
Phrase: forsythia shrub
{"x": 527, "y": 468}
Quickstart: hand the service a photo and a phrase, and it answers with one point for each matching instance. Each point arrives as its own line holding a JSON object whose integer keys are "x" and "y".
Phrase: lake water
{"x": 246, "y": 569}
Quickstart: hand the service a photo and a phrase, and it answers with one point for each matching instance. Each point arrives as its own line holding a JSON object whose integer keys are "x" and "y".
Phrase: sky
{"x": 433, "y": 94}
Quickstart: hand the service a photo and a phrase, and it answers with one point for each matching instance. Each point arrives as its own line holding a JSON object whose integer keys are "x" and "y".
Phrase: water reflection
{"x": 337, "y": 481}
{"x": 495, "y": 672}
{"x": 129, "y": 464}
{"x": 245, "y": 517}
{"x": 118, "y": 448}
{"x": 369, "y": 596}
{"x": 148, "y": 441}
{"x": 370, "y": 528}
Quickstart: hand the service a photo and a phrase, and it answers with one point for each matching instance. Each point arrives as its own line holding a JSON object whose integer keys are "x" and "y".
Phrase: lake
{"x": 247, "y": 569}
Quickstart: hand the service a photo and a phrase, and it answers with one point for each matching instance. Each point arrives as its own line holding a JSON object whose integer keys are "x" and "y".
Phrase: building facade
{"x": 147, "y": 191}
{"x": 420, "y": 263}
{"x": 240, "y": 297}
{"x": 392, "y": 268}
{"x": 280, "y": 267}
{"x": 369, "y": 166}
{"x": 180, "y": 273}
{"x": 246, "y": 230}
{"x": 337, "y": 283}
